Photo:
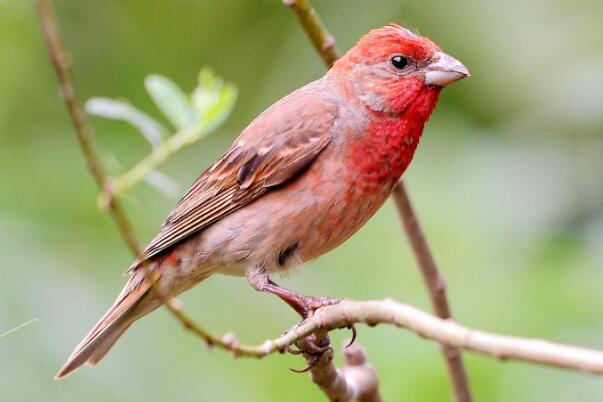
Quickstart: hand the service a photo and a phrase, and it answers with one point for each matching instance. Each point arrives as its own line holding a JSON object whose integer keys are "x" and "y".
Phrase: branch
{"x": 324, "y": 43}
{"x": 321, "y": 39}
{"x": 83, "y": 130}
{"x": 85, "y": 136}
{"x": 436, "y": 284}
{"x": 356, "y": 381}
{"x": 446, "y": 332}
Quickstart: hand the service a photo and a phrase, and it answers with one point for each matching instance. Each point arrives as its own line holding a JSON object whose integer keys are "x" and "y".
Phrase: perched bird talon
{"x": 315, "y": 350}
{"x": 351, "y": 342}
{"x": 311, "y": 364}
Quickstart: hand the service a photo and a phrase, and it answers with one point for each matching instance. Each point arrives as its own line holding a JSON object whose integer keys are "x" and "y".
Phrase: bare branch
{"x": 356, "y": 381}
{"x": 436, "y": 284}
{"x": 446, "y": 332}
{"x": 85, "y": 136}
{"x": 321, "y": 39}
{"x": 83, "y": 130}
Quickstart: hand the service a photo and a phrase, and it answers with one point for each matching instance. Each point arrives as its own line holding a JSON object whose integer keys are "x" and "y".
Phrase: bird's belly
{"x": 339, "y": 219}
{"x": 289, "y": 226}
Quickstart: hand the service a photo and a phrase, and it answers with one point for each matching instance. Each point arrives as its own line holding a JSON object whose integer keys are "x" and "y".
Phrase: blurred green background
{"x": 508, "y": 182}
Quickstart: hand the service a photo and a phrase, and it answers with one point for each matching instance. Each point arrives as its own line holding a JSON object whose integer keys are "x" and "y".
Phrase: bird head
{"x": 390, "y": 67}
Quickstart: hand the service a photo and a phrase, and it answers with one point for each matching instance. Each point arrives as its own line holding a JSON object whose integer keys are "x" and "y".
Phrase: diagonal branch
{"x": 85, "y": 136}
{"x": 436, "y": 284}
{"x": 324, "y": 43}
{"x": 321, "y": 39}
{"x": 83, "y": 130}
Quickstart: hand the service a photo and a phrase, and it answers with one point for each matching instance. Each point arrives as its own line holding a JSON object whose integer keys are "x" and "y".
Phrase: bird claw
{"x": 317, "y": 350}
{"x": 351, "y": 342}
{"x": 311, "y": 364}
{"x": 310, "y": 348}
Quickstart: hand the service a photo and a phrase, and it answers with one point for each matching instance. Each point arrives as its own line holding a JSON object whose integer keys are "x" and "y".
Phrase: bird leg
{"x": 304, "y": 305}
{"x": 312, "y": 347}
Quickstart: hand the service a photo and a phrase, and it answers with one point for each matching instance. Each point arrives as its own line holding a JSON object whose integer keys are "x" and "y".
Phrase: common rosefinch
{"x": 303, "y": 177}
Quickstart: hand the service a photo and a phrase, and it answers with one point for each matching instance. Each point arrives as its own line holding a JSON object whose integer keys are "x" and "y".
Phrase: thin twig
{"x": 324, "y": 43}
{"x": 85, "y": 136}
{"x": 118, "y": 185}
{"x": 436, "y": 284}
{"x": 321, "y": 39}
{"x": 83, "y": 130}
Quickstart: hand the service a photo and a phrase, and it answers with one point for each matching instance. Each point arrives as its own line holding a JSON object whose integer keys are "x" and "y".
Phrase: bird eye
{"x": 399, "y": 62}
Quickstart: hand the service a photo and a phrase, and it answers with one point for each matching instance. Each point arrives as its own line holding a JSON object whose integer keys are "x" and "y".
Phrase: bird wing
{"x": 278, "y": 145}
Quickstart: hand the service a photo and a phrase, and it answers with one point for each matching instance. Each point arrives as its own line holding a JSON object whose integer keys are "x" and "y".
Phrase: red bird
{"x": 303, "y": 177}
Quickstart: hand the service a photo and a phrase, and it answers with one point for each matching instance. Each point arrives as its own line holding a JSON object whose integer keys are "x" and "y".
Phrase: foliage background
{"x": 507, "y": 182}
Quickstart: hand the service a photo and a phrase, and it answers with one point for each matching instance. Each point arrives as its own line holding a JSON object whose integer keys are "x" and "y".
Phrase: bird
{"x": 303, "y": 177}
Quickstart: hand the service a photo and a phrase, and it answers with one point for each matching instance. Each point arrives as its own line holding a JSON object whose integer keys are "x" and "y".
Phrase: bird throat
{"x": 380, "y": 158}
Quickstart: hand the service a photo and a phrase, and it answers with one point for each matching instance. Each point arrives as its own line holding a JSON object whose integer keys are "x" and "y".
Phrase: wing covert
{"x": 278, "y": 145}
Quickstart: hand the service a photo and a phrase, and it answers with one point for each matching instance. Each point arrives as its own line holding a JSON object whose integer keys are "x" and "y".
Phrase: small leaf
{"x": 195, "y": 116}
{"x": 212, "y": 116}
{"x": 172, "y": 102}
{"x": 150, "y": 129}
{"x": 217, "y": 113}
{"x": 163, "y": 183}
{"x": 203, "y": 99}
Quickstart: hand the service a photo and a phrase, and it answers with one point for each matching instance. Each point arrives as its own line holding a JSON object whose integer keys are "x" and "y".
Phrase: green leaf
{"x": 150, "y": 129}
{"x": 172, "y": 102}
{"x": 215, "y": 105}
{"x": 195, "y": 117}
{"x": 219, "y": 111}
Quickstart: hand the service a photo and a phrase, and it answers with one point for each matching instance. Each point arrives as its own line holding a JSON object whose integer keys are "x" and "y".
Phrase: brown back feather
{"x": 274, "y": 148}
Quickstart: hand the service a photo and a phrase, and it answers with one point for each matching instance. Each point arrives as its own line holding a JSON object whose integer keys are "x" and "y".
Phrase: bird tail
{"x": 134, "y": 302}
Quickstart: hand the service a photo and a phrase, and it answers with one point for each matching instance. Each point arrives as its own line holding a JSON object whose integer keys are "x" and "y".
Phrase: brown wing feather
{"x": 278, "y": 145}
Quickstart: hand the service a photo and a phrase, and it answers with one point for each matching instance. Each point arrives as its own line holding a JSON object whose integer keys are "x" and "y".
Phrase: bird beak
{"x": 444, "y": 70}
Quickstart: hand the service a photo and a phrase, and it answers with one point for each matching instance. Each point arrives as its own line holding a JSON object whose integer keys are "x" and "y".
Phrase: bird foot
{"x": 309, "y": 304}
{"x": 304, "y": 305}
{"x": 351, "y": 342}
{"x": 309, "y": 347}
